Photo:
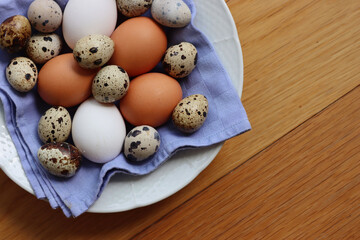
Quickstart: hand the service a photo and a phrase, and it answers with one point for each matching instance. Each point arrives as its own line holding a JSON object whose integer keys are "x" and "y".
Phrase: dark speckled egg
{"x": 22, "y": 74}
{"x": 171, "y": 13}
{"x": 93, "y": 51}
{"x": 54, "y": 125}
{"x": 133, "y": 8}
{"x": 45, "y": 15}
{"x": 110, "y": 84}
{"x": 15, "y": 32}
{"x": 180, "y": 60}
{"x": 190, "y": 113}
{"x": 43, "y": 47}
{"x": 141, "y": 143}
{"x": 60, "y": 159}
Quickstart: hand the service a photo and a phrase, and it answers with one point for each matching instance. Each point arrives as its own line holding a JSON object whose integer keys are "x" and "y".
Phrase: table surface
{"x": 295, "y": 175}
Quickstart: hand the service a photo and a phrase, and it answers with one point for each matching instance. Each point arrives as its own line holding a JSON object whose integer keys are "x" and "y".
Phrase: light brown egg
{"x": 140, "y": 44}
{"x": 62, "y": 82}
{"x": 150, "y": 99}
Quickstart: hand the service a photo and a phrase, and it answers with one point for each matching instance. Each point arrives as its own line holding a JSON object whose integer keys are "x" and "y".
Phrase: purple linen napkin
{"x": 226, "y": 118}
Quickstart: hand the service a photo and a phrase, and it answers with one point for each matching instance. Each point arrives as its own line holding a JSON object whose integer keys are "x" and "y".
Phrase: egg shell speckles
{"x": 171, "y": 13}
{"x": 15, "y": 32}
{"x": 141, "y": 143}
{"x": 191, "y": 112}
{"x": 93, "y": 51}
{"x": 133, "y": 8}
{"x": 45, "y": 15}
{"x": 22, "y": 74}
{"x": 180, "y": 60}
{"x": 60, "y": 159}
{"x": 110, "y": 84}
{"x": 43, "y": 47}
{"x": 54, "y": 125}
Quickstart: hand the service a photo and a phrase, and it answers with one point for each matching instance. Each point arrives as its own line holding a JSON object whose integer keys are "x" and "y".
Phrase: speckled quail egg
{"x": 15, "y": 32}
{"x": 45, "y": 15}
{"x": 133, "y": 8}
{"x": 190, "y": 113}
{"x": 60, "y": 159}
{"x": 54, "y": 125}
{"x": 180, "y": 60}
{"x": 93, "y": 51}
{"x": 171, "y": 13}
{"x": 110, "y": 84}
{"x": 22, "y": 74}
{"x": 141, "y": 143}
{"x": 43, "y": 47}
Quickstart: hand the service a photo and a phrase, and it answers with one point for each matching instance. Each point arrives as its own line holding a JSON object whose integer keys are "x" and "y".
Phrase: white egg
{"x": 98, "y": 131}
{"x": 85, "y": 17}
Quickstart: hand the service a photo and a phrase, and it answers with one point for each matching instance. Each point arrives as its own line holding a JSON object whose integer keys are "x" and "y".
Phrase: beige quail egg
{"x": 133, "y": 8}
{"x": 141, "y": 143}
{"x": 15, "y": 33}
{"x": 22, "y": 74}
{"x": 190, "y": 113}
{"x": 43, "y": 47}
{"x": 54, "y": 125}
{"x": 60, "y": 159}
{"x": 171, "y": 13}
{"x": 110, "y": 84}
{"x": 93, "y": 51}
{"x": 45, "y": 15}
{"x": 180, "y": 60}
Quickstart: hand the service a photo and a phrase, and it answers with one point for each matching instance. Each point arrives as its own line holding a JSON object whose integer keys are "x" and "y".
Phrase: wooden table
{"x": 296, "y": 175}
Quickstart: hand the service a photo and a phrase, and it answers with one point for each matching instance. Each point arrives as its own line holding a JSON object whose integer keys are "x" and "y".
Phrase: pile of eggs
{"x": 107, "y": 77}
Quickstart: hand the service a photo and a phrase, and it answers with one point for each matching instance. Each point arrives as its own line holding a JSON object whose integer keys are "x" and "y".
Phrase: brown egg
{"x": 150, "y": 99}
{"x": 15, "y": 32}
{"x": 140, "y": 44}
{"x": 62, "y": 82}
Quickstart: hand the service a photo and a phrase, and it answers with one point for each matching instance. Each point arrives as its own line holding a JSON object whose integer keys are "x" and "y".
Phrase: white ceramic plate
{"x": 129, "y": 192}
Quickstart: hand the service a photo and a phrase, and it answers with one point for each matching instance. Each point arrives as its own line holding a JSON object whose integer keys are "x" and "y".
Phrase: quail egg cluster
{"x": 107, "y": 78}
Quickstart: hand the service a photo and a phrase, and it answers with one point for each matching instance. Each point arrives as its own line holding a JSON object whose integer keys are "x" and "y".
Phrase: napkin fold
{"x": 226, "y": 118}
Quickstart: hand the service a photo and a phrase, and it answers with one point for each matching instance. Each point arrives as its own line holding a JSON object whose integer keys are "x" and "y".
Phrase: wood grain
{"x": 305, "y": 186}
{"x": 299, "y": 57}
